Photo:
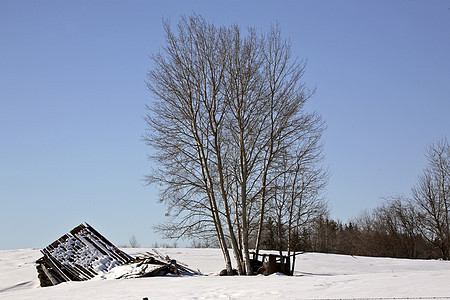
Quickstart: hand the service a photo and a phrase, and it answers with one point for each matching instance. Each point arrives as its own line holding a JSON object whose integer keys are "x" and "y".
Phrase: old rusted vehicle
{"x": 267, "y": 264}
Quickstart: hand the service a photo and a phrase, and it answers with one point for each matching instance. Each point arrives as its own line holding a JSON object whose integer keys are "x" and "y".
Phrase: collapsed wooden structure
{"x": 83, "y": 253}
{"x": 78, "y": 255}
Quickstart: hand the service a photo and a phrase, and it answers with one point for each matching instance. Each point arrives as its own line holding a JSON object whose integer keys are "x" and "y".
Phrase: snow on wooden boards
{"x": 78, "y": 255}
{"x": 83, "y": 253}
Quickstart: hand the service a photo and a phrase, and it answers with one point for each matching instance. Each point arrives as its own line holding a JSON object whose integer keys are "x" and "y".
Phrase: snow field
{"x": 317, "y": 276}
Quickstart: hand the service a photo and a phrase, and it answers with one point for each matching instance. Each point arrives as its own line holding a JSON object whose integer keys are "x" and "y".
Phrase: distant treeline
{"x": 368, "y": 236}
{"x": 415, "y": 226}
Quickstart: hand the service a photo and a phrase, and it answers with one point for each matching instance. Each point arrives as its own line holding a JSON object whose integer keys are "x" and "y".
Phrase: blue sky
{"x": 72, "y": 97}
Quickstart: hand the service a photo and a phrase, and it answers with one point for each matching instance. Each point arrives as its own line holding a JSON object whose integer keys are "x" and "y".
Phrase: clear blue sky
{"x": 72, "y": 97}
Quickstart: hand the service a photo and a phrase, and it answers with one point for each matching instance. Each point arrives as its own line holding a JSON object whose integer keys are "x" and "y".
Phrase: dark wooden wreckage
{"x": 78, "y": 255}
{"x": 83, "y": 253}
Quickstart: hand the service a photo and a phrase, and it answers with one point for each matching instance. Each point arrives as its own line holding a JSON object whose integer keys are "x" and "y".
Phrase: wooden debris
{"x": 78, "y": 255}
{"x": 84, "y": 253}
{"x": 154, "y": 264}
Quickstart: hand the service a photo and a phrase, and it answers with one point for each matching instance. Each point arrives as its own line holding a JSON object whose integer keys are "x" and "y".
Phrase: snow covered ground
{"x": 317, "y": 276}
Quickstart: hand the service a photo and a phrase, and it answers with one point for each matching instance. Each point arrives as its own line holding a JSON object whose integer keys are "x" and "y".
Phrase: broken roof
{"x": 78, "y": 255}
{"x": 84, "y": 253}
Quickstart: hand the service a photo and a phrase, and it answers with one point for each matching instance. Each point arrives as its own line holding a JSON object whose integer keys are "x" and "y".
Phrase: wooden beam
{"x": 49, "y": 275}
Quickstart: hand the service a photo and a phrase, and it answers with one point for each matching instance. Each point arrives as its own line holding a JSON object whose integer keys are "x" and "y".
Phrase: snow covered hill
{"x": 317, "y": 276}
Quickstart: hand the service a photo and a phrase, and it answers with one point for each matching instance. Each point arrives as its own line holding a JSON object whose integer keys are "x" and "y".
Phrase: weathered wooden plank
{"x": 58, "y": 268}
{"x": 49, "y": 275}
{"x": 122, "y": 255}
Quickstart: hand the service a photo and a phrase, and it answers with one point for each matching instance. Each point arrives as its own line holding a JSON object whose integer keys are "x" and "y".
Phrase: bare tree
{"x": 432, "y": 196}
{"x": 407, "y": 227}
{"x": 186, "y": 80}
{"x": 287, "y": 126}
{"x": 228, "y": 106}
{"x": 295, "y": 196}
{"x": 134, "y": 242}
{"x": 397, "y": 228}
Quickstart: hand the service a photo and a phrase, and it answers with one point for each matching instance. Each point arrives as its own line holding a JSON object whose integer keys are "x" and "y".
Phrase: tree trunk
{"x": 261, "y": 214}
{"x": 234, "y": 243}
